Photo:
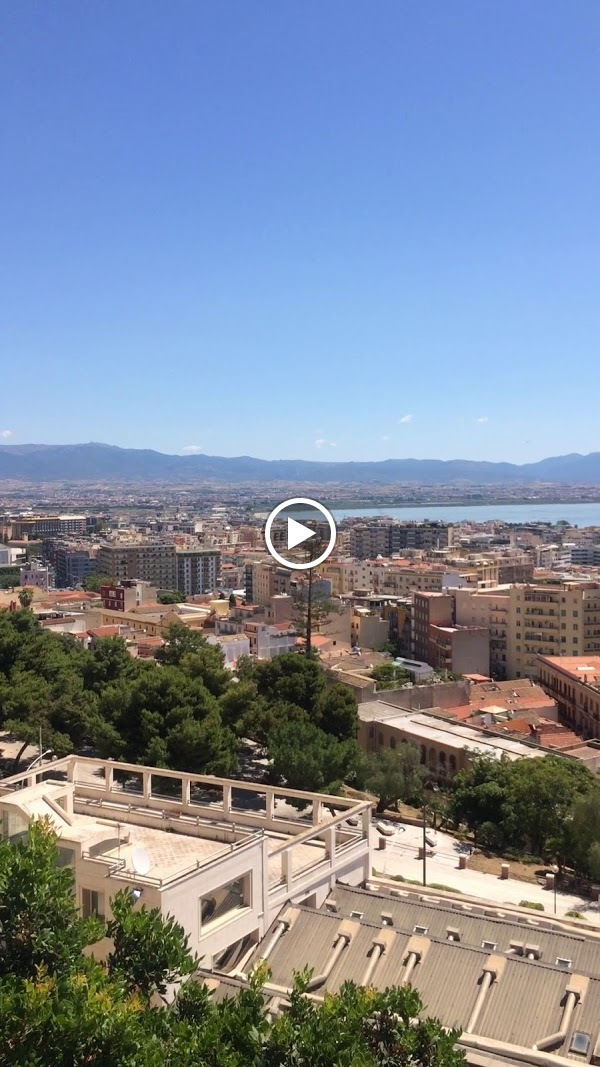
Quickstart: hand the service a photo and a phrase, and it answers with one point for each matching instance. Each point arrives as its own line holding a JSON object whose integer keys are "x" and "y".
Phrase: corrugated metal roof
{"x": 474, "y": 929}
{"x": 524, "y": 1004}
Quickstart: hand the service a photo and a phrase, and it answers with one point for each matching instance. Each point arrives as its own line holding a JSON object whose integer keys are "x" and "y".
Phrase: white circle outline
{"x": 332, "y": 533}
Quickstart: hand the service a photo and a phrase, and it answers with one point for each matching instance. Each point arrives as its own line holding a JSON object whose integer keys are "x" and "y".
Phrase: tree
{"x": 180, "y": 640}
{"x": 232, "y": 600}
{"x": 25, "y": 598}
{"x": 289, "y": 678}
{"x": 92, "y": 583}
{"x": 38, "y": 915}
{"x": 581, "y": 839}
{"x": 394, "y": 775}
{"x": 171, "y": 596}
{"x": 313, "y": 605}
{"x": 337, "y": 711}
{"x": 524, "y": 805}
{"x": 149, "y": 952}
{"x": 308, "y": 758}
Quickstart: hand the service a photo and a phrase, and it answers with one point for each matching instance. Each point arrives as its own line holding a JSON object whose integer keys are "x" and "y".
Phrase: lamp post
{"x": 555, "y": 870}
{"x": 38, "y": 759}
{"x": 424, "y": 843}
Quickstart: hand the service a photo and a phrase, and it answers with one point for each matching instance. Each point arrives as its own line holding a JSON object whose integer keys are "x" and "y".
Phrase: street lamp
{"x": 38, "y": 759}
{"x": 555, "y": 870}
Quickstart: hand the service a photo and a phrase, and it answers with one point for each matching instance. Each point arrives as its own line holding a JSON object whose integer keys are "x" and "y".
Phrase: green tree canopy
{"x": 171, "y": 596}
{"x": 393, "y": 775}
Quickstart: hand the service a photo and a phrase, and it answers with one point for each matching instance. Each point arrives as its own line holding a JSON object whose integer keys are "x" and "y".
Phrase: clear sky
{"x": 301, "y": 229}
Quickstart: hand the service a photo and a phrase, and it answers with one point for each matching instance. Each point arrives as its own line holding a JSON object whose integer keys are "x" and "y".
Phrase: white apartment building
{"x": 198, "y": 570}
{"x": 266, "y": 641}
{"x": 222, "y": 857}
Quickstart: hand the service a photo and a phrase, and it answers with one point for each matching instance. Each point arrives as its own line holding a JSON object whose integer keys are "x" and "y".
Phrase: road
{"x": 400, "y": 857}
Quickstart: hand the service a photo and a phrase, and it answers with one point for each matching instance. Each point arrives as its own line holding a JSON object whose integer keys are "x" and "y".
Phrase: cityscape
{"x": 300, "y": 535}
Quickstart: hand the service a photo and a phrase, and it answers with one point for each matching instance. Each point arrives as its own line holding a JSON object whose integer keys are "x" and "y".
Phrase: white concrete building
{"x": 235, "y": 853}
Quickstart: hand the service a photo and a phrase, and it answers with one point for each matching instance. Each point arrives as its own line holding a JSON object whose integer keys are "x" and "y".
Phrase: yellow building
{"x": 561, "y": 618}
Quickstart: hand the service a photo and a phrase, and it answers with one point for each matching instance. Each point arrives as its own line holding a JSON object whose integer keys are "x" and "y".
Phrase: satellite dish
{"x": 140, "y": 861}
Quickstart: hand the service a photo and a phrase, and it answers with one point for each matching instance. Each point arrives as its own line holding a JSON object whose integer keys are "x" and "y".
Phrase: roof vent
{"x": 356, "y": 914}
{"x": 387, "y": 918}
{"x": 420, "y": 930}
{"x": 563, "y": 962}
{"x": 490, "y": 946}
{"x": 452, "y": 933}
{"x": 533, "y": 952}
{"x": 331, "y": 905}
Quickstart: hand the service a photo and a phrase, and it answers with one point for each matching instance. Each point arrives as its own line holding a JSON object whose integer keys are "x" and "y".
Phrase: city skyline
{"x": 337, "y": 235}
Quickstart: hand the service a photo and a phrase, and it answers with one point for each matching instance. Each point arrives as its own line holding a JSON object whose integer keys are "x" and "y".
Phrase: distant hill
{"x": 98, "y": 462}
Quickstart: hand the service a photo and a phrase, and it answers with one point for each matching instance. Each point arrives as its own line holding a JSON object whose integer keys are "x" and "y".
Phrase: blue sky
{"x": 338, "y": 230}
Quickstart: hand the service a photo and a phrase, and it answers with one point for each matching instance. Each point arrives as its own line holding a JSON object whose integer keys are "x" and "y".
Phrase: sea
{"x": 574, "y": 514}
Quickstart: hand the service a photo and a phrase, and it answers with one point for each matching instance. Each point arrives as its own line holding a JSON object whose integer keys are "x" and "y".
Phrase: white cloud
{"x": 5, "y": 433}
{"x": 482, "y": 419}
{"x": 385, "y": 437}
{"x": 192, "y": 450}
{"x": 406, "y": 418}
{"x": 322, "y": 443}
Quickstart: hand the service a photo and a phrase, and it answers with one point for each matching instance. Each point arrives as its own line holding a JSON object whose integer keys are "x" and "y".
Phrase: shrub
{"x": 533, "y": 904}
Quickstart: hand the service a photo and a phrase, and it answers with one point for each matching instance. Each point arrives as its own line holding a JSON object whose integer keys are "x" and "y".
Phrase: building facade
{"x": 198, "y": 570}
{"x": 234, "y": 856}
{"x": 153, "y": 562}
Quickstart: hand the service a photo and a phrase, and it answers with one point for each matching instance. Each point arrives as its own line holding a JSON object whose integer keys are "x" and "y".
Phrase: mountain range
{"x": 98, "y": 462}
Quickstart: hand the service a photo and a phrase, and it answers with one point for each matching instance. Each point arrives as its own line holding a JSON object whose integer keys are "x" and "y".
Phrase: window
{"x": 92, "y": 903}
{"x": 228, "y": 898}
{"x": 580, "y": 1042}
{"x": 563, "y": 612}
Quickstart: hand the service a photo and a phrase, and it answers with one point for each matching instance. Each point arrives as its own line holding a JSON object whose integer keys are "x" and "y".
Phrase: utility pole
{"x": 424, "y": 843}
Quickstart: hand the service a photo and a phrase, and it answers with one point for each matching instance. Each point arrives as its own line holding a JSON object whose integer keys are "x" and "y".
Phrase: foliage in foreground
{"x": 59, "y": 1007}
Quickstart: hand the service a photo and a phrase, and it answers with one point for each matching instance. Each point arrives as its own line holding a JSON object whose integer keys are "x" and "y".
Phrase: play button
{"x": 297, "y": 533}
{"x": 286, "y": 527}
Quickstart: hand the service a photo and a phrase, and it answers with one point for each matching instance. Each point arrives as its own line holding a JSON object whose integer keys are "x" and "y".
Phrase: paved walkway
{"x": 400, "y": 857}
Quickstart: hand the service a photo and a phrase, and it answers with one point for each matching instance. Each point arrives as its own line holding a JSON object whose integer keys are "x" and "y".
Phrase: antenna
{"x": 140, "y": 861}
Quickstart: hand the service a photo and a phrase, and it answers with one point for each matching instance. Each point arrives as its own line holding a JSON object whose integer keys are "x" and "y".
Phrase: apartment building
{"x": 429, "y": 609}
{"x": 369, "y": 540}
{"x": 574, "y": 682}
{"x": 490, "y": 609}
{"x": 72, "y": 564}
{"x": 221, "y": 857}
{"x": 153, "y": 562}
{"x": 36, "y": 576}
{"x": 459, "y": 649}
{"x": 45, "y": 525}
{"x": 559, "y": 618}
{"x": 368, "y": 629}
{"x": 198, "y": 570}
{"x": 267, "y": 642}
{"x": 265, "y": 580}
